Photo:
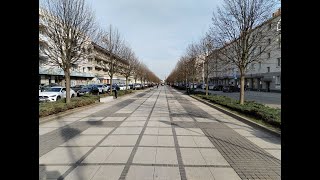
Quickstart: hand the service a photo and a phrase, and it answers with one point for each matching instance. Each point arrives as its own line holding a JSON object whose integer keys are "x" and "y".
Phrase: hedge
{"x": 48, "y": 108}
{"x": 267, "y": 114}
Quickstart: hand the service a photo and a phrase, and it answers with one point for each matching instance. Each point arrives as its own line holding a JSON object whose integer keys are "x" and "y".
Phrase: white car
{"x": 122, "y": 87}
{"x": 55, "y": 93}
{"x": 102, "y": 88}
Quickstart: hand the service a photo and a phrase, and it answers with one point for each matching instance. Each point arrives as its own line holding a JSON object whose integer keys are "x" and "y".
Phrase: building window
{"x": 279, "y": 61}
{"x": 252, "y": 66}
{"x": 269, "y": 54}
{"x": 278, "y": 80}
{"x": 269, "y": 41}
{"x": 269, "y": 26}
{"x": 259, "y": 65}
{"x": 268, "y": 69}
{"x": 89, "y": 68}
{"x": 260, "y": 49}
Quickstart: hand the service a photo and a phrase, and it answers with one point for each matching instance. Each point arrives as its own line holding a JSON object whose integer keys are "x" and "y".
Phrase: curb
{"x": 65, "y": 113}
{"x": 240, "y": 118}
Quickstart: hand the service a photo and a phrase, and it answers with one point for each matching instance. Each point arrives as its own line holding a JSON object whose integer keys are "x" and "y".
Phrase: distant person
{"x": 157, "y": 86}
{"x": 116, "y": 87}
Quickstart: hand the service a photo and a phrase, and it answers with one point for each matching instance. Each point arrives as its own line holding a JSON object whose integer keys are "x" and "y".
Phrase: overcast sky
{"x": 158, "y": 31}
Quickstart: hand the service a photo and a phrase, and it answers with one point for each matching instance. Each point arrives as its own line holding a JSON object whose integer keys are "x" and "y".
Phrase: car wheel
{"x": 58, "y": 98}
{"x": 72, "y": 96}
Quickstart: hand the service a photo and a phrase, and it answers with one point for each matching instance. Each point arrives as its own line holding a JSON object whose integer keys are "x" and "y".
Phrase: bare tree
{"x": 69, "y": 24}
{"x": 114, "y": 44}
{"x": 132, "y": 61}
{"x": 238, "y": 31}
{"x": 136, "y": 72}
{"x": 205, "y": 49}
{"x": 193, "y": 65}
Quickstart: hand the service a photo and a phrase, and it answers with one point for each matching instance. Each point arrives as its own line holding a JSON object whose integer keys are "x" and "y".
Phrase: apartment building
{"x": 90, "y": 70}
{"x": 264, "y": 75}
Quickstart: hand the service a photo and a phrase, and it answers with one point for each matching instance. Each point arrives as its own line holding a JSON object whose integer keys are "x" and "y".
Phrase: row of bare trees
{"x": 238, "y": 37}
{"x": 70, "y": 27}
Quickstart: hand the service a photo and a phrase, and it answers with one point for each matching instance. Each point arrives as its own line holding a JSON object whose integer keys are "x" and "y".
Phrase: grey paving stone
{"x": 165, "y": 131}
{"x": 108, "y": 172}
{"x": 92, "y": 119}
{"x": 140, "y": 173}
{"x": 165, "y": 141}
{"x": 198, "y": 173}
{"x": 102, "y": 130}
{"x": 63, "y": 155}
{"x": 166, "y": 156}
{"x": 139, "y": 118}
{"x": 119, "y": 155}
{"x": 192, "y": 156}
{"x": 113, "y": 119}
{"x": 128, "y": 130}
{"x": 168, "y": 173}
{"x": 45, "y": 130}
{"x": 133, "y": 123}
{"x": 213, "y": 157}
{"x": 145, "y": 155}
{"x": 116, "y": 140}
{"x": 149, "y": 140}
{"x": 82, "y": 172}
{"x": 83, "y": 140}
{"x": 186, "y": 141}
{"x": 202, "y": 141}
{"x": 98, "y": 155}
{"x": 152, "y": 131}
{"x": 52, "y": 172}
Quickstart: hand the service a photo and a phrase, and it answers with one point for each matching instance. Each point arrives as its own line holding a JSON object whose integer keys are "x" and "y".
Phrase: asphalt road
{"x": 267, "y": 98}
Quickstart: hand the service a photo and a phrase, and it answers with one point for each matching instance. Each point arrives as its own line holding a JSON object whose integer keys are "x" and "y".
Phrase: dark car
{"x": 218, "y": 87}
{"x": 88, "y": 90}
{"x": 77, "y": 88}
{"x": 230, "y": 89}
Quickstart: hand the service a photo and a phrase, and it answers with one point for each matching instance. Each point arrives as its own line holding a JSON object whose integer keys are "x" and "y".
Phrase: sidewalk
{"x": 159, "y": 134}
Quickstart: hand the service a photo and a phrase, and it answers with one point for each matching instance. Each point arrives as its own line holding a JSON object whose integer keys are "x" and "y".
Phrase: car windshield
{"x": 52, "y": 90}
{"x": 99, "y": 85}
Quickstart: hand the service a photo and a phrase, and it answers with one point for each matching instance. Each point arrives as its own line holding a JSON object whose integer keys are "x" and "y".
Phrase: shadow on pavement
{"x": 95, "y": 123}
{"x": 44, "y": 174}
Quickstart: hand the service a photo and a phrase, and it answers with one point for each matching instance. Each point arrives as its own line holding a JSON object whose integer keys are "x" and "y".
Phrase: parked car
{"x": 122, "y": 87}
{"x": 55, "y": 93}
{"x": 218, "y": 87}
{"x": 130, "y": 86}
{"x": 90, "y": 89}
{"x": 137, "y": 86}
{"x": 102, "y": 88}
{"x": 230, "y": 89}
{"x": 77, "y": 88}
{"x": 211, "y": 86}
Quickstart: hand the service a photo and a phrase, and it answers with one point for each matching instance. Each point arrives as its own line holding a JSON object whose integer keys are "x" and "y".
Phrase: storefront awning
{"x": 59, "y": 72}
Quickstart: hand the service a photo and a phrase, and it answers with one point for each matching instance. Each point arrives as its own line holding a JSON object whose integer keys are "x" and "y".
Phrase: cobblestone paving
{"x": 160, "y": 134}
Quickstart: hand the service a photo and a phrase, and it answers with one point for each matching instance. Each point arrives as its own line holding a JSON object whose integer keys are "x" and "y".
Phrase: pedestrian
{"x": 157, "y": 86}
{"x": 116, "y": 91}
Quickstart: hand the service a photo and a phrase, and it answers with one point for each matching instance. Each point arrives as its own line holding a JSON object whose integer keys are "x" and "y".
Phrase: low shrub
{"x": 267, "y": 114}
{"x": 48, "y": 108}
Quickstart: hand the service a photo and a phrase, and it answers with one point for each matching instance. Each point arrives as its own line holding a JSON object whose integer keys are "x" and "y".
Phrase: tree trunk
{"x": 126, "y": 83}
{"x": 135, "y": 82}
{"x": 67, "y": 78}
{"x": 207, "y": 80}
{"x": 111, "y": 84}
{"x": 241, "y": 87}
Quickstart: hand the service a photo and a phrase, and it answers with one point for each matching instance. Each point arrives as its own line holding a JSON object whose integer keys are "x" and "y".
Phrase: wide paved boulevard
{"x": 155, "y": 134}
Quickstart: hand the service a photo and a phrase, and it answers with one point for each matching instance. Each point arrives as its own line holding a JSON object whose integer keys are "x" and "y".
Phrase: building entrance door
{"x": 268, "y": 86}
